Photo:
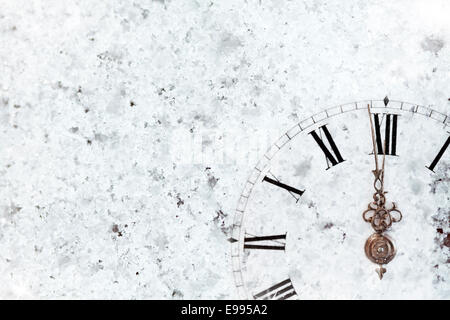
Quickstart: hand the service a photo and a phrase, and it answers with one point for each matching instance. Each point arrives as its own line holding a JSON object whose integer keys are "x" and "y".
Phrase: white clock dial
{"x": 298, "y": 229}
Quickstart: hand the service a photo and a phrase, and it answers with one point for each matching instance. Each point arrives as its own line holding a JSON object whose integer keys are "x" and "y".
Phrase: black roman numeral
{"x": 334, "y": 159}
{"x": 439, "y": 155}
{"x": 280, "y": 291}
{"x": 293, "y": 191}
{"x": 279, "y": 245}
{"x": 389, "y": 135}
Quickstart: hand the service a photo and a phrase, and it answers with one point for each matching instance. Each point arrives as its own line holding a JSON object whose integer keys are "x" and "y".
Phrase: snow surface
{"x": 128, "y": 129}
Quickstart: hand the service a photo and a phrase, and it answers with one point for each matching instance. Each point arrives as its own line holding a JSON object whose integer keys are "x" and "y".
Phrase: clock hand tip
{"x": 381, "y": 271}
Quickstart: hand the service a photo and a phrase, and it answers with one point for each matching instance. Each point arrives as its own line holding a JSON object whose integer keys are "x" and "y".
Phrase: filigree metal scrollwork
{"x": 381, "y": 218}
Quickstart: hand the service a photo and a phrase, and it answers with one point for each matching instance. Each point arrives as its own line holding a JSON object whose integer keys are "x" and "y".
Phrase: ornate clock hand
{"x": 379, "y": 248}
{"x": 379, "y": 174}
{"x": 373, "y": 138}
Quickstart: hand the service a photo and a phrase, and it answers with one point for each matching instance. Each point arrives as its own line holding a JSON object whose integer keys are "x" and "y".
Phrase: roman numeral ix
{"x": 334, "y": 159}
{"x": 280, "y": 291}
{"x": 266, "y": 242}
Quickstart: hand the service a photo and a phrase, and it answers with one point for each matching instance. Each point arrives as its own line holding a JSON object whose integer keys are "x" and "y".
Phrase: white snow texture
{"x": 128, "y": 128}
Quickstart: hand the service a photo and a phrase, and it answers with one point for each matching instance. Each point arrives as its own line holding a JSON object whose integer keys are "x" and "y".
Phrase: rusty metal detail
{"x": 380, "y": 248}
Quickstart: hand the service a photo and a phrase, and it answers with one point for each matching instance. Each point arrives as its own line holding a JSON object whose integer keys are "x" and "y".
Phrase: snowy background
{"x": 128, "y": 128}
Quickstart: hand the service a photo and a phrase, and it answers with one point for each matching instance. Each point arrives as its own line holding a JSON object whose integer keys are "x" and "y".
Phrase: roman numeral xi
{"x": 333, "y": 155}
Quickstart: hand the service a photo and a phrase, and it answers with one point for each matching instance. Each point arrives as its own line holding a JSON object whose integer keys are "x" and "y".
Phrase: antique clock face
{"x": 298, "y": 229}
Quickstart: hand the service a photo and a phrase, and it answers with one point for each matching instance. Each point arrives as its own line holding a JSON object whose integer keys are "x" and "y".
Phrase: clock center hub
{"x": 379, "y": 249}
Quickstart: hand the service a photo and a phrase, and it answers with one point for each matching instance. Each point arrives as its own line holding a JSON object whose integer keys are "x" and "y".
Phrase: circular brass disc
{"x": 379, "y": 249}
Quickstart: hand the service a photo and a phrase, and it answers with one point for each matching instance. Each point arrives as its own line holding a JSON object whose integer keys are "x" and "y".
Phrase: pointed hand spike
{"x": 380, "y": 271}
